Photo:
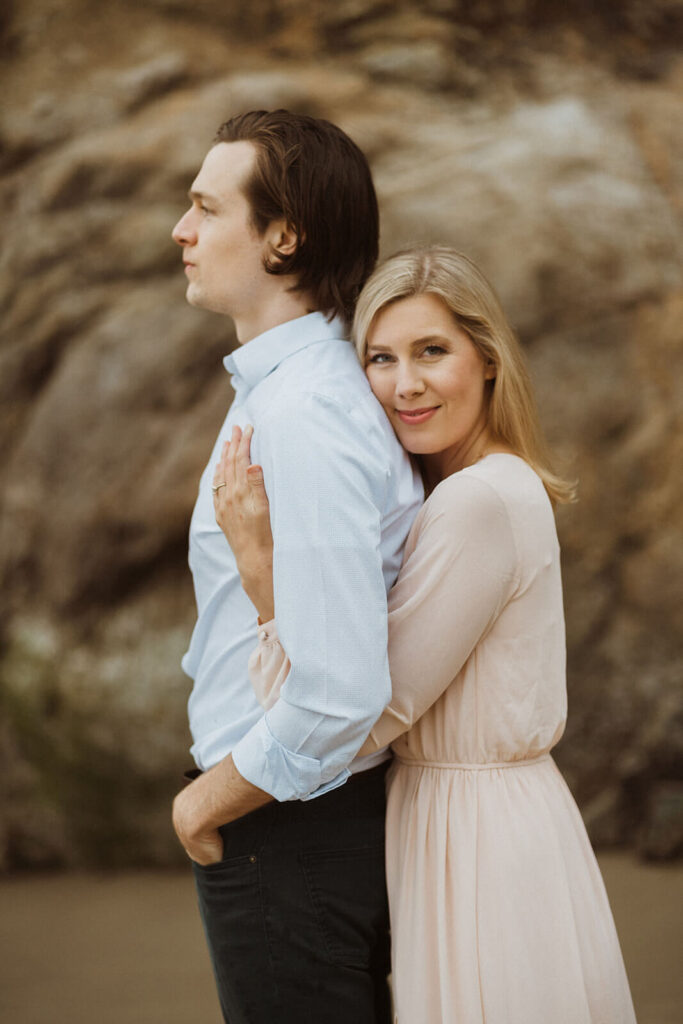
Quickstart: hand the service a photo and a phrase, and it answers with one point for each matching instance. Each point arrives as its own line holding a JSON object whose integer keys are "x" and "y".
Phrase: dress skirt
{"x": 498, "y": 909}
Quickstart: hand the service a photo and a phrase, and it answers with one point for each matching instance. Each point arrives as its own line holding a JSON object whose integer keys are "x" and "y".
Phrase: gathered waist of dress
{"x": 461, "y": 766}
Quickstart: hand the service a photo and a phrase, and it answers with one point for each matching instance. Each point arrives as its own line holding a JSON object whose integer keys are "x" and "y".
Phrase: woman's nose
{"x": 409, "y": 383}
{"x": 183, "y": 233}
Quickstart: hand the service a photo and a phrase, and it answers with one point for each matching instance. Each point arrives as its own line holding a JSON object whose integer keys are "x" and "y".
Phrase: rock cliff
{"x": 544, "y": 146}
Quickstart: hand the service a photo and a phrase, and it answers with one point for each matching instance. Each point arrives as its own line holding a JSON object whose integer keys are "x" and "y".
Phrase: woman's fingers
{"x": 242, "y": 463}
{"x": 219, "y": 475}
{"x": 229, "y": 457}
{"x": 242, "y": 453}
{"x": 257, "y": 489}
{"x": 232, "y": 490}
{"x": 223, "y": 483}
{"x": 218, "y": 484}
{"x": 225, "y": 469}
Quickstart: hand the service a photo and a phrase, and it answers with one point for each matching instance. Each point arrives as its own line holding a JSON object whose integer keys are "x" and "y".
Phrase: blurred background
{"x": 543, "y": 139}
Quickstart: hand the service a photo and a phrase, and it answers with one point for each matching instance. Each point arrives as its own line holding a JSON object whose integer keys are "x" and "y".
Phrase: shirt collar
{"x": 259, "y": 357}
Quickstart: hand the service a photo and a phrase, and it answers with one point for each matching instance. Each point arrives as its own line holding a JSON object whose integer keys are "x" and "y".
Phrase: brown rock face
{"x": 546, "y": 150}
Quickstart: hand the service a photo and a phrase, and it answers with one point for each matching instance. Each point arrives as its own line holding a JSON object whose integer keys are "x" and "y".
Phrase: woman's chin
{"x": 416, "y": 447}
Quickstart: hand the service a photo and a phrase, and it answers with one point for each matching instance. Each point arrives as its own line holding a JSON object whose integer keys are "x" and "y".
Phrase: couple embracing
{"x": 378, "y": 658}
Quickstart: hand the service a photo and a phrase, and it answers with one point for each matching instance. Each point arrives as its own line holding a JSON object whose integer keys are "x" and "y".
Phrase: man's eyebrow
{"x": 197, "y": 196}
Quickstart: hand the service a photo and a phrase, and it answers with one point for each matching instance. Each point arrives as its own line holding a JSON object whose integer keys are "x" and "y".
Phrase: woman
{"x": 498, "y": 910}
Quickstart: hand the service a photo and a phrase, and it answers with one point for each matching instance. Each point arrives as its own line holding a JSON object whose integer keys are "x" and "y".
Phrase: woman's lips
{"x": 414, "y": 416}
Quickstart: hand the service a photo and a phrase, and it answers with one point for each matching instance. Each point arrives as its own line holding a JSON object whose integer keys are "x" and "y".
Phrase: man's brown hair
{"x": 309, "y": 171}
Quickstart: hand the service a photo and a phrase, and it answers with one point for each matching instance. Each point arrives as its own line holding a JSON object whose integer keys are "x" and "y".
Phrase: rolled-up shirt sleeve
{"x": 326, "y": 481}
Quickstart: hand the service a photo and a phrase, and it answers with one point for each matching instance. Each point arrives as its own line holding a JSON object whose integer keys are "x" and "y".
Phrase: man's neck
{"x": 284, "y": 306}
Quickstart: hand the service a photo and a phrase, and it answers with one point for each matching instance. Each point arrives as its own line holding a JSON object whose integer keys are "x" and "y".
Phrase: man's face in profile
{"x": 222, "y": 251}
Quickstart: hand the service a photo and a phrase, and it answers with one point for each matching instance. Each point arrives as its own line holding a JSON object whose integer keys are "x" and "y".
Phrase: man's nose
{"x": 183, "y": 233}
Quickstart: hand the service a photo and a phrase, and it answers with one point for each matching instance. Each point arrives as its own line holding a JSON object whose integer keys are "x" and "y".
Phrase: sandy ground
{"x": 128, "y": 949}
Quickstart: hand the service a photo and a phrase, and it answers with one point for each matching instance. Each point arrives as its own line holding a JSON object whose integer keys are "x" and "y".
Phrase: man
{"x": 281, "y": 235}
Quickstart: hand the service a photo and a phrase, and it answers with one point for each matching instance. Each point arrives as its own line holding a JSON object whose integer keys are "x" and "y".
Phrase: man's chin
{"x": 196, "y": 298}
{"x": 199, "y": 301}
{"x": 193, "y": 296}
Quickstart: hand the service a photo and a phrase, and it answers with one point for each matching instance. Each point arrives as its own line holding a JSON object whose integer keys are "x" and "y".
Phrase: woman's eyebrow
{"x": 428, "y": 338}
{"x": 423, "y": 339}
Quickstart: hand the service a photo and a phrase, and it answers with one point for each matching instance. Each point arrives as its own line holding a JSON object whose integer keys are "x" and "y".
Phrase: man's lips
{"x": 188, "y": 265}
{"x": 414, "y": 416}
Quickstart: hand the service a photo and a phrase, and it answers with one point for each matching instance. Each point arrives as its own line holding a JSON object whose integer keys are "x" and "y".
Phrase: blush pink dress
{"x": 498, "y": 911}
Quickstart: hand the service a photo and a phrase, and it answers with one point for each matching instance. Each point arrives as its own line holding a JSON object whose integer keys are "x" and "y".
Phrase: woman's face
{"x": 430, "y": 379}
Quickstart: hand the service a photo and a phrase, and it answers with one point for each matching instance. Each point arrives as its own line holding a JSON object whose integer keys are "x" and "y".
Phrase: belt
{"x": 464, "y": 767}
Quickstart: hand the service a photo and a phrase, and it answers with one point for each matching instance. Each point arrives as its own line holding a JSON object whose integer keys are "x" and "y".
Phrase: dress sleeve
{"x": 268, "y": 665}
{"x": 462, "y": 570}
{"x": 460, "y": 574}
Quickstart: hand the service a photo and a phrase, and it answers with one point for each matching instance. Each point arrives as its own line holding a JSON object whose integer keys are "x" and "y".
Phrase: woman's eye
{"x": 433, "y": 350}
{"x": 379, "y": 357}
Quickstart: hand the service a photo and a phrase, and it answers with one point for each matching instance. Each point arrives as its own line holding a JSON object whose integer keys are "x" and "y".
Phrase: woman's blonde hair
{"x": 442, "y": 271}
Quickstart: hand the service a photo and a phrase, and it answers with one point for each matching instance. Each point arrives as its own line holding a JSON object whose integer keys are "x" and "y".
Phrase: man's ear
{"x": 282, "y": 238}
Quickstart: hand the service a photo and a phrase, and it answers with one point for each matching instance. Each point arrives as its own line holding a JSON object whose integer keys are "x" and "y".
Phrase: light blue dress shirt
{"x": 343, "y": 495}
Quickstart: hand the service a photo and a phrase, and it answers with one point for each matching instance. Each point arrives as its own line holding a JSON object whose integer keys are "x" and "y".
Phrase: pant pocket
{"x": 244, "y": 838}
{"x": 348, "y": 892}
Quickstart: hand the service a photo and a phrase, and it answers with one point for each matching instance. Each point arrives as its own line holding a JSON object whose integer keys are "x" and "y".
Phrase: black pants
{"x": 296, "y": 912}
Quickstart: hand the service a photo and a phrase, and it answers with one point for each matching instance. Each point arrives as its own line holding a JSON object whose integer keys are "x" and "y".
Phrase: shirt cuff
{"x": 334, "y": 783}
{"x": 264, "y": 762}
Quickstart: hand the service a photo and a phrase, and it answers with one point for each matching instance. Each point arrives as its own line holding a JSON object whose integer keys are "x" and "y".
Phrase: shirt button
{"x": 263, "y": 635}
